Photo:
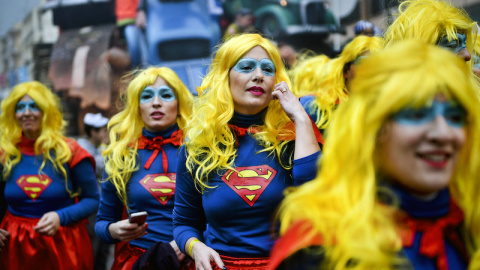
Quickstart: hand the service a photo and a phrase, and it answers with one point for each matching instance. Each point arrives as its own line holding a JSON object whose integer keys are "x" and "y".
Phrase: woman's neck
{"x": 244, "y": 120}
{"x": 422, "y": 206}
{"x": 31, "y": 135}
{"x": 164, "y": 133}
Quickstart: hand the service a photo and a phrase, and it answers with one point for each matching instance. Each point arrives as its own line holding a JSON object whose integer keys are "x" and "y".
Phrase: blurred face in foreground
{"x": 418, "y": 148}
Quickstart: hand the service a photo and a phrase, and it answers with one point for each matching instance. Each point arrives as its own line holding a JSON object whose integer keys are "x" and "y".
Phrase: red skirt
{"x": 232, "y": 263}
{"x": 69, "y": 248}
{"x": 126, "y": 256}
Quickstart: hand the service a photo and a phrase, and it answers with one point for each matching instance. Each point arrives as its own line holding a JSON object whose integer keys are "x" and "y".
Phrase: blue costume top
{"x": 239, "y": 210}
{"x": 433, "y": 239}
{"x": 31, "y": 193}
{"x": 151, "y": 190}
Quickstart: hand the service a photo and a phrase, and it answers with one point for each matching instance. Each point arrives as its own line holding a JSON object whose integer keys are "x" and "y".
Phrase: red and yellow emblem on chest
{"x": 33, "y": 185}
{"x": 249, "y": 182}
{"x": 160, "y": 185}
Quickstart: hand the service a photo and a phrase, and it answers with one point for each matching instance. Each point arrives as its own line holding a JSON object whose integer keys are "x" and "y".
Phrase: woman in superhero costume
{"x": 248, "y": 139}
{"x": 140, "y": 168}
{"x": 50, "y": 185}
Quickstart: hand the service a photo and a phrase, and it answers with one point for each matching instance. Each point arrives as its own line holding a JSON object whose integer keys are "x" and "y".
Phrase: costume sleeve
{"x": 188, "y": 214}
{"x": 83, "y": 177}
{"x": 110, "y": 211}
{"x": 305, "y": 169}
{"x": 307, "y": 102}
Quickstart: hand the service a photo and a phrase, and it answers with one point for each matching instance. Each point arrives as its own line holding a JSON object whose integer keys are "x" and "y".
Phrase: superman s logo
{"x": 249, "y": 182}
{"x": 33, "y": 185}
{"x": 160, "y": 185}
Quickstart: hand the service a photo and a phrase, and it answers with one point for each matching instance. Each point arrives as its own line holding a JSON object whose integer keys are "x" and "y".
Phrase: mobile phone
{"x": 139, "y": 217}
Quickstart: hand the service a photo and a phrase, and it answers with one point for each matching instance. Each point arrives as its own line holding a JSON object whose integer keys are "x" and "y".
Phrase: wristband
{"x": 190, "y": 246}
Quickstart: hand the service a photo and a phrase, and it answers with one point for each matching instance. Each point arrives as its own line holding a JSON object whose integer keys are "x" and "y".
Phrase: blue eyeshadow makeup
{"x": 247, "y": 65}
{"x": 22, "y": 106}
{"x": 454, "y": 45}
{"x": 454, "y": 114}
{"x": 164, "y": 92}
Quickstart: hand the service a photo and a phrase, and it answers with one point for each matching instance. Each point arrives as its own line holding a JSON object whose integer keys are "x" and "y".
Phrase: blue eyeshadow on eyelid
{"x": 161, "y": 92}
{"x": 31, "y": 105}
{"x": 254, "y": 64}
{"x": 403, "y": 117}
{"x": 462, "y": 43}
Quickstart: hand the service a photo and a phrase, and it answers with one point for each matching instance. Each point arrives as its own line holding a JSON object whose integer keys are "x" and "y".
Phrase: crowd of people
{"x": 363, "y": 161}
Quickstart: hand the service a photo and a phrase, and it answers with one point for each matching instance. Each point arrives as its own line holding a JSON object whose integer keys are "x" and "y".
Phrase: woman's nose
{"x": 440, "y": 130}
{"x": 465, "y": 54}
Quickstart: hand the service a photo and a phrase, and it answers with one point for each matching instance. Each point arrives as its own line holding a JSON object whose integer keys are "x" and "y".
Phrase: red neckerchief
{"x": 156, "y": 145}
{"x": 27, "y": 146}
{"x": 432, "y": 244}
{"x": 240, "y": 132}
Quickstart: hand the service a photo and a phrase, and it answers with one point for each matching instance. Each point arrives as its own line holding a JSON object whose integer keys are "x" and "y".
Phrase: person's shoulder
{"x": 78, "y": 153}
{"x": 74, "y": 144}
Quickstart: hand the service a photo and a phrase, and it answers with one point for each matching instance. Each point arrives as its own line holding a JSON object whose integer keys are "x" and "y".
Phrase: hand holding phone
{"x": 139, "y": 217}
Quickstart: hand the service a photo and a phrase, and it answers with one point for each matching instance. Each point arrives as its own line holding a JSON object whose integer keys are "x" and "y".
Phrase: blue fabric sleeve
{"x": 83, "y": 177}
{"x": 109, "y": 211}
{"x": 188, "y": 214}
{"x": 305, "y": 169}
{"x": 306, "y": 102}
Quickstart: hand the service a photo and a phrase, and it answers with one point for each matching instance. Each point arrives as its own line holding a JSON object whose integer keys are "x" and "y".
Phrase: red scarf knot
{"x": 156, "y": 143}
{"x": 435, "y": 231}
{"x": 240, "y": 131}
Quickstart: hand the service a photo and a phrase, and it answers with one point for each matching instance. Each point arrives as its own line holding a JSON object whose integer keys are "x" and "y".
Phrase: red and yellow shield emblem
{"x": 33, "y": 185}
{"x": 160, "y": 185}
{"x": 249, "y": 182}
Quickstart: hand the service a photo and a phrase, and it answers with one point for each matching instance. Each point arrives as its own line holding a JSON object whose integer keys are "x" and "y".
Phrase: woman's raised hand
{"x": 289, "y": 102}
